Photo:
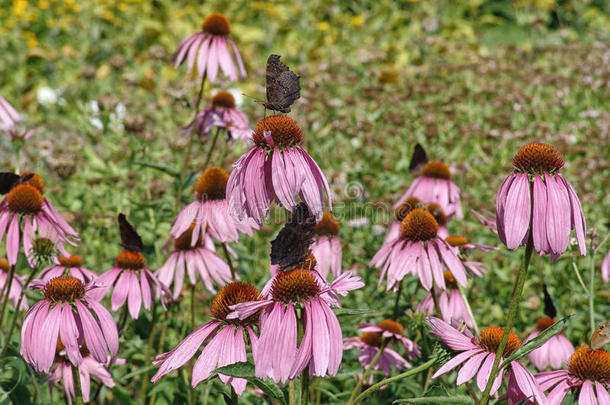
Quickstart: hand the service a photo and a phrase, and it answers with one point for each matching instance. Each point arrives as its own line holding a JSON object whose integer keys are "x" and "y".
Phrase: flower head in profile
{"x": 409, "y": 205}
{"x": 478, "y": 355}
{"x": 8, "y": 115}
{"x": 278, "y": 354}
{"x": 326, "y": 247}
{"x": 209, "y": 212}
{"x": 223, "y": 338}
{"x": 587, "y": 376}
{"x": 554, "y": 352}
{"x": 192, "y": 260}
{"x": 419, "y": 251}
{"x": 25, "y": 214}
{"x": 434, "y": 185}
{"x": 68, "y": 266}
{"x": 535, "y": 199}
{"x": 14, "y": 292}
{"x": 222, "y": 114}
{"x": 276, "y": 168}
{"x": 67, "y": 313}
{"x": 210, "y": 49}
{"x": 462, "y": 246}
{"x": 369, "y": 343}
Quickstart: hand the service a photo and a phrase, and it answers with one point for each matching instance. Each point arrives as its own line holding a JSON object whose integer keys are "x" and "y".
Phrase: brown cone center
{"x": 25, "y": 199}
{"x": 64, "y": 289}
{"x": 328, "y": 225}
{"x": 538, "y": 158}
{"x": 216, "y": 24}
{"x": 223, "y": 99}
{"x": 294, "y": 286}
{"x": 212, "y": 184}
{"x": 590, "y": 365}
{"x": 232, "y": 294}
{"x": 490, "y": 339}
{"x": 371, "y": 338}
{"x": 130, "y": 260}
{"x": 72, "y": 261}
{"x": 456, "y": 240}
{"x": 284, "y": 131}
{"x": 418, "y": 225}
{"x": 391, "y": 326}
{"x": 406, "y": 207}
{"x": 437, "y": 170}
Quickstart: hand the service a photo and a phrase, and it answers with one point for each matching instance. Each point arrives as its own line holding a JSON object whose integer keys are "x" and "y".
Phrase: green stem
{"x": 209, "y": 155}
{"x": 77, "y": 387}
{"x": 387, "y": 381}
{"x": 228, "y": 256}
{"x": 151, "y": 338}
{"x": 123, "y": 319}
{"x": 291, "y": 395}
{"x": 437, "y": 308}
{"x": 17, "y": 311}
{"x": 356, "y": 389}
{"x": 512, "y": 311}
{"x": 396, "y": 302}
{"x": 305, "y": 386}
{"x": 234, "y": 397}
{"x": 7, "y": 292}
{"x": 472, "y": 393}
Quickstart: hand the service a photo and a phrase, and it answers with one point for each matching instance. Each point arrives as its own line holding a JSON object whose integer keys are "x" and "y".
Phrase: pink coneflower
{"x": 586, "y": 368}
{"x": 606, "y": 268}
{"x": 225, "y": 339}
{"x": 132, "y": 282}
{"x": 419, "y": 251}
{"x": 555, "y": 352}
{"x": 277, "y": 356}
{"x": 201, "y": 259}
{"x": 65, "y": 313}
{"x": 450, "y": 302}
{"x": 16, "y": 287}
{"x": 210, "y": 47}
{"x": 68, "y": 265}
{"x": 326, "y": 246}
{"x": 461, "y": 245}
{"x": 210, "y": 211}
{"x": 409, "y": 205}
{"x": 25, "y": 202}
{"x": 222, "y": 114}
{"x": 478, "y": 355}
{"x": 435, "y": 185}
{"x": 369, "y": 343}
{"x": 487, "y": 218}
{"x": 276, "y": 168}
{"x": 537, "y": 194}
{"x": 8, "y": 115}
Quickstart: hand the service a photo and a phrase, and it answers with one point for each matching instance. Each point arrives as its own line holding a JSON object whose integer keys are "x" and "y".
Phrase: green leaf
{"x": 538, "y": 341}
{"x": 158, "y": 166}
{"x": 453, "y": 400}
{"x": 354, "y": 312}
{"x": 270, "y": 388}
{"x": 241, "y": 369}
{"x": 246, "y": 370}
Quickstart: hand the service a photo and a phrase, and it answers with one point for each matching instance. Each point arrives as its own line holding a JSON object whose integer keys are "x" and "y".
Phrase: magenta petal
{"x": 602, "y": 393}
{"x": 539, "y": 222}
{"x": 93, "y": 334}
{"x": 587, "y": 396}
{"x": 526, "y": 382}
{"x": 558, "y": 215}
{"x": 485, "y": 371}
{"x": 135, "y": 295}
{"x": 456, "y": 361}
{"x": 577, "y": 216}
{"x": 517, "y": 211}
{"x": 321, "y": 340}
{"x": 107, "y": 326}
{"x": 47, "y": 340}
{"x": 68, "y": 333}
{"x": 470, "y": 368}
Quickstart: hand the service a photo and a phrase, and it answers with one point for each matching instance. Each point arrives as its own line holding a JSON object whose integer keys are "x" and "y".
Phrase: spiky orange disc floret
{"x": 450, "y": 280}
{"x": 216, "y": 24}
{"x": 212, "y": 184}
{"x": 64, "y": 289}
{"x": 284, "y": 131}
{"x": 24, "y": 199}
{"x": 72, "y": 261}
{"x": 407, "y": 206}
{"x": 35, "y": 180}
{"x": 130, "y": 260}
{"x": 391, "y": 326}
{"x": 294, "y": 286}
{"x": 223, "y": 99}
{"x": 418, "y": 225}
{"x": 437, "y": 170}
{"x": 328, "y": 225}
{"x": 490, "y": 338}
{"x": 544, "y": 323}
{"x": 456, "y": 240}
{"x": 232, "y": 294}
{"x": 4, "y": 266}
{"x": 438, "y": 213}
{"x": 590, "y": 365}
{"x": 371, "y": 338}
{"x": 538, "y": 158}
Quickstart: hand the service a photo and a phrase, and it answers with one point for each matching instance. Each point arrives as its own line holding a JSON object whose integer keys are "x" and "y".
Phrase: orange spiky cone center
{"x": 232, "y": 294}
{"x": 438, "y": 213}
{"x": 406, "y": 207}
{"x": 71, "y": 261}
{"x": 294, "y": 286}
{"x": 216, "y": 24}
{"x": 130, "y": 260}
{"x": 371, "y": 338}
{"x": 283, "y": 130}
{"x": 450, "y": 280}
{"x": 490, "y": 338}
{"x": 545, "y": 322}
{"x": 4, "y": 265}
{"x": 456, "y": 240}
{"x": 223, "y": 99}
{"x": 64, "y": 289}
{"x": 538, "y": 158}
{"x": 587, "y": 364}
{"x": 418, "y": 225}
{"x": 391, "y": 326}
{"x": 212, "y": 184}
{"x": 25, "y": 199}
{"x": 328, "y": 225}
{"x": 437, "y": 170}
{"x": 35, "y": 180}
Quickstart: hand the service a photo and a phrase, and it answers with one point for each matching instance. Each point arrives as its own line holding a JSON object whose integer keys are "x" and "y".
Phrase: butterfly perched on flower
{"x": 601, "y": 336}
{"x": 283, "y": 87}
{"x": 292, "y": 244}
{"x": 418, "y": 160}
{"x": 130, "y": 240}
{"x": 9, "y": 180}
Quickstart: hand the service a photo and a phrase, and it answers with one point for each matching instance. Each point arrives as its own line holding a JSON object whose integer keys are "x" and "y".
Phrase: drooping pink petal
{"x": 517, "y": 211}
{"x": 558, "y": 215}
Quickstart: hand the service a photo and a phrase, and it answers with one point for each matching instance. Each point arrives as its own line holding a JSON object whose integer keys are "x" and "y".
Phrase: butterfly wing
{"x": 292, "y": 244}
{"x": 130, "y": 239}
{"x": 549, "y": 307}
{"x": 8, "y": 181}
{"x": 419, "y": 159}
{"x": 283, "y": 86}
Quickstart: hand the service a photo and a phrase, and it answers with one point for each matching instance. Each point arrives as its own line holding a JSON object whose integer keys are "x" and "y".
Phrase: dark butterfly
{"x": 283, "y": 86}
{"x": 10, "y": 180}
{"x": 291, "y": 246}
{"x": 549, "y": 308}
{"x": 418, "y": 160}
{"x": 130, "y": 240}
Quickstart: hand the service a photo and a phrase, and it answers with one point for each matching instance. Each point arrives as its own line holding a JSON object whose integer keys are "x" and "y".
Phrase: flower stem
{"x": 387, "y": 381}
{"x": 78, "y": 389}
{"x": 291, "y": 395}
{"x": 123, "y": 319}
{"x": 228, "y": 256}
{"x": 234, "y": 397}
{"x": 356, "y": 389}
{"x": 7, "y": 291}
{"x": 396, "y": 302}
{"x": 151, "y": 338}
{"x": 512, "y": 311}
{"x": 305, "y": 386}
{"x": 211, "y": 150}
{"x": 17, "y": 310}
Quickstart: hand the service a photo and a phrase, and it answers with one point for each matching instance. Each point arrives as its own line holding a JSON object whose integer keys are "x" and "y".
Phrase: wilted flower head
{"x": 535, "y": 199}
{"x": 210, "y": 48}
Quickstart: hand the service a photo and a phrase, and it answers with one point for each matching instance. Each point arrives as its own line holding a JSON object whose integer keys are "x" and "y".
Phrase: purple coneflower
{"x": 450, "y": 302}
{"x": 222, "y": 114}
{"x": 606, "y": 268}
{"x": 225, "y": 339}
{"x": 277, "y": 356}
{"x": 276, "y": 168}
{"x": 536, "y": 198}
{"x": 210, "y": 47}
{"x": 8, "y": 115}
{"x": 419, "y": 251}
{"x": 586, "y": 369}
{"x": 555, "y": 352}
{"x": 478, "y": 355}
{"x": 326, "y": 247}
{"x": 409, "y": 205}
{"x": 68, "y": 265}
{"x": 132, "y": 282}
{"x": 25, "y": 201}
{"x": 369, "y": 343}
{"x": 201, "y": 259}
{"x": 210, "y": 211}
{"x": 65, "y": 313}
{"x": 16, "y": 285}
{"x": 435, "y": 185}
{"x": 461, "y": 245}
